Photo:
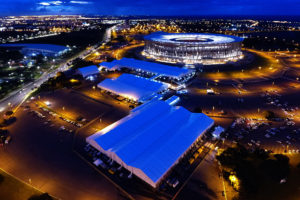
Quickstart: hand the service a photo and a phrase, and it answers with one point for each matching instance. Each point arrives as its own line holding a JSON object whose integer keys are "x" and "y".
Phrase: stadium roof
{"x": 150, "y": 140}
{"x": 193, "y": 38}
{"x": 89, "y": 70}
{"x": 156, "y": 68}
{"x": 133, "y": 87}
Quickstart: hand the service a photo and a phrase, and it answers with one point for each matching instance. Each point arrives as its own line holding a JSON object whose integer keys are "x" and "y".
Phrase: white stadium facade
{"x": 152, "y": 139}
{"x": 192, "y": 48}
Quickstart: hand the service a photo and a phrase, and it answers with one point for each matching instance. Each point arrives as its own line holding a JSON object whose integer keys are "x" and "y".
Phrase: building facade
{"x": 193, "y": 48}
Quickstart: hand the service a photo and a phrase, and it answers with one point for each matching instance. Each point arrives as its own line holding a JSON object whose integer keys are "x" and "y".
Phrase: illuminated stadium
{"x": 192, "y": 48}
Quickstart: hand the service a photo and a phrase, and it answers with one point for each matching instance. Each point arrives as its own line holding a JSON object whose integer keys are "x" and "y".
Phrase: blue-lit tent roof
{"x": 156, "y": 68}
{"x": 131, "y": 86}
{"x": 89, "y": 70}
{"x": 152, "y": 138}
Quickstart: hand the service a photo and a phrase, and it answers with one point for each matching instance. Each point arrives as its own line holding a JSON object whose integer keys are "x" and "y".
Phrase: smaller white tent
{"x": 148, "y": 67}
{"x": 133, "y": 87}
{"x": 88, "y": 71}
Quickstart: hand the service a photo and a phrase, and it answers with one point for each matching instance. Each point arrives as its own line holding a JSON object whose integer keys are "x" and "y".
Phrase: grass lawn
{"x": 13, "y": 189}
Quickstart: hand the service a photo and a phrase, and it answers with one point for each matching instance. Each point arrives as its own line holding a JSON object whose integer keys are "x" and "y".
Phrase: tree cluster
{"x": 255, "y": 169}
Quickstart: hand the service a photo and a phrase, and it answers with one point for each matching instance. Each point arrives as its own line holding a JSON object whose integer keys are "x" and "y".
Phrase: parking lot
{"x": 48, "y": 151}
{"x": 42, "y": 140}
{"x": 73, "y": 104}
{"x": 277, "y": 137}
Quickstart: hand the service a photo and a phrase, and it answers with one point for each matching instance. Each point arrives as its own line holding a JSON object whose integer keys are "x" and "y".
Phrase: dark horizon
{"x": 153, "y": 8}
{"x": 257, "y": 17}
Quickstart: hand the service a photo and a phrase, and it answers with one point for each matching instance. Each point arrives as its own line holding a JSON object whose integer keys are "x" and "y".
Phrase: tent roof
{"x": 154, "y": 137}
{"x": 156, "y": 68}
{"x": 89, "y": 70}
{"x": 132, "y": 86}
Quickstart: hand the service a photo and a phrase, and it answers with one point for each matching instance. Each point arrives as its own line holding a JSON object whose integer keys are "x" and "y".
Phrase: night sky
{"x": 151, "y": 7}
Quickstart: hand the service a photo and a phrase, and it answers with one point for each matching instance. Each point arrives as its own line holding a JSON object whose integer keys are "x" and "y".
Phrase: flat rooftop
{"x": 150, "y": 140}
{"x": 156, "y": 68}
{"x": 45, "y": 47}
{"x": 133, "y": 87}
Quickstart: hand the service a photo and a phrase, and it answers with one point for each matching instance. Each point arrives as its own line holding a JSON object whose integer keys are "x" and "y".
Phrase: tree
{"x": 6, "y": 55}
{"x": 269, "y": 115}
{"x": 44, "y": 196}
{"x": 1, "y": 178}
{"x": 39, "y": 58}
{"x": 198, "y": 110}
{"x": 77, "y": 63}
{"x": 254, "y": 169}
{"x": 9, "y": 113}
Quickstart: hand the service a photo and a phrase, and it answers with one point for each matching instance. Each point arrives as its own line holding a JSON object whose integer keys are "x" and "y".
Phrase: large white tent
{"x": 151, "y": 139}
{"x": 133, "y": 87}
{"x": 148, "y": 67}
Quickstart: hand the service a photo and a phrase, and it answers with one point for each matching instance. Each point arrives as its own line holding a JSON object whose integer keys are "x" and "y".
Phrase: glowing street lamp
{"x": 234, "y": 181}
{"x": 47, "y": 103}
{"x": 232, "y": 178}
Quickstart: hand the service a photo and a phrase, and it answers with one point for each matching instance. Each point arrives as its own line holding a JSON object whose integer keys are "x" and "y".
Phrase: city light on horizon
{"x": 156, "y": 8}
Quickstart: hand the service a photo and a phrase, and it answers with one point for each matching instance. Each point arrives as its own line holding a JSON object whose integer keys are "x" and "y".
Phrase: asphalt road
{"x": 43, "y": 156}
{"x": 18, "y": 96}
